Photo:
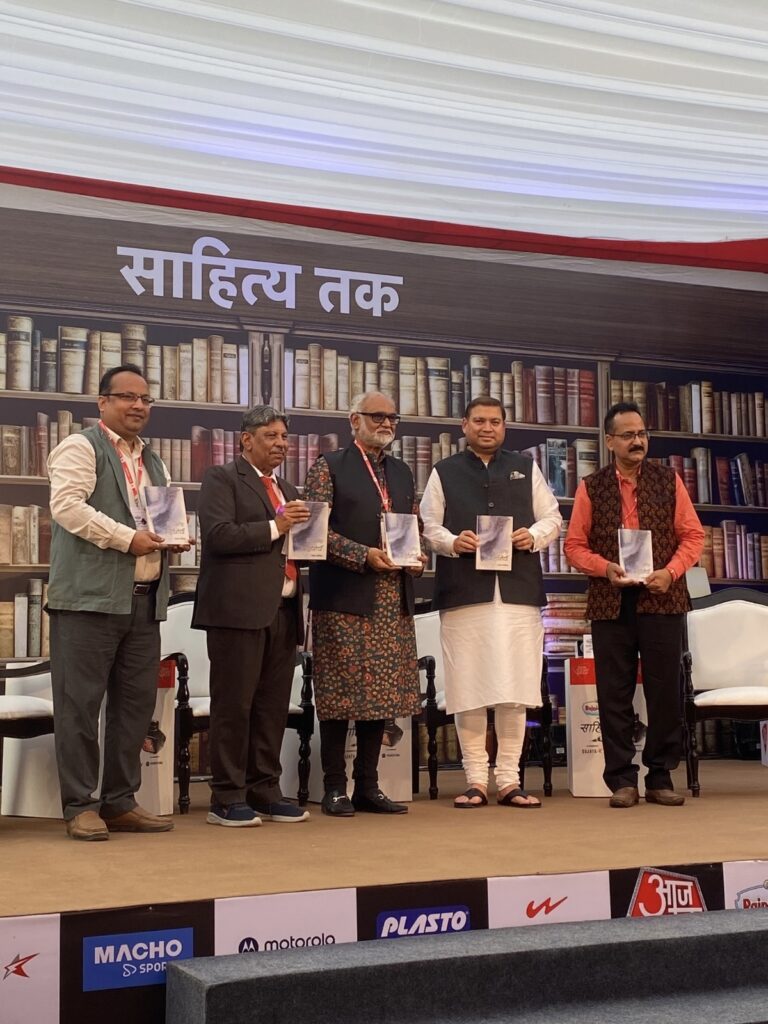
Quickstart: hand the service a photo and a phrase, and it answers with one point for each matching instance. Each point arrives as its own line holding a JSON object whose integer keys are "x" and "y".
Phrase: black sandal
{"x": 508, "y": 800}
{"x": 470, "y": 794}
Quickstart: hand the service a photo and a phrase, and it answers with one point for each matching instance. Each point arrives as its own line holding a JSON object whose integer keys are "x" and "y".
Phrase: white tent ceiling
{"x": 629, "y": 119}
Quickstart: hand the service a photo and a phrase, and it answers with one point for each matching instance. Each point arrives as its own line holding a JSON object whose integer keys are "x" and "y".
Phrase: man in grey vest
{"x": 107, "y": 591}
{"x": 490, "y": 622}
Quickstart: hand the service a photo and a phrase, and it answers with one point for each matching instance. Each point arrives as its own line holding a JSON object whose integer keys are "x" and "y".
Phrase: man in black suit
{"x": 249, "y": 602}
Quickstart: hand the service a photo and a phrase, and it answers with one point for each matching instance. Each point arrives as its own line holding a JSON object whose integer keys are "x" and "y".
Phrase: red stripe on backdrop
{"x": 740, "y": 254}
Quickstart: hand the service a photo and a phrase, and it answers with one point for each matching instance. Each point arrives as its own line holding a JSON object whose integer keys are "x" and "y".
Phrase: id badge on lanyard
{"x": 135, "y": 503}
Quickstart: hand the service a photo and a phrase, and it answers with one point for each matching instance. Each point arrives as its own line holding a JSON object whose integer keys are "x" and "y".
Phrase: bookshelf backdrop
{"x": 202, "y": 375}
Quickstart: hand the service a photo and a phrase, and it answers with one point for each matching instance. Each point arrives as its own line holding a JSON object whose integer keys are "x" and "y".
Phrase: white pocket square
{"x": 514, "y": 475}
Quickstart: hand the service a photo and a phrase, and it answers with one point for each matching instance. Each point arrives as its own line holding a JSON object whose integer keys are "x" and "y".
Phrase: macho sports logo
{"x": 396, "y": 924}
{"x": 134, "y": 958}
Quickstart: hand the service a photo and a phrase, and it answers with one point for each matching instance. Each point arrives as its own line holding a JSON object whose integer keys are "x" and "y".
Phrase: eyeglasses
{"x": 630, "y": 435}
{"x": 379, "y": 417}
{"x": 129, "y": 396}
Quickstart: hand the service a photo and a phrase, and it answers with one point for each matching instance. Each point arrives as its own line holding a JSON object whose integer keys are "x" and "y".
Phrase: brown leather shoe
{"x": 665, "y": 797}
{"x": 87, "y": 826}
{"x": 627, "y": 796}
{"x": 138, "y": 820}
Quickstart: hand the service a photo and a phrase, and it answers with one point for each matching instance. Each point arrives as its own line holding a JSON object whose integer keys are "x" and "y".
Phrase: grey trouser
{"x": 93, "y": 654}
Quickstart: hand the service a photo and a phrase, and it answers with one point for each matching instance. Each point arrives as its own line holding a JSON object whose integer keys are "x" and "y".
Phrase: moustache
{"x": 637, "y": 448}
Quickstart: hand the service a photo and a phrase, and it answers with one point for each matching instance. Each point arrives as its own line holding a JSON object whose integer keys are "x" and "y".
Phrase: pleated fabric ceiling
{"x": 614, "y": 119}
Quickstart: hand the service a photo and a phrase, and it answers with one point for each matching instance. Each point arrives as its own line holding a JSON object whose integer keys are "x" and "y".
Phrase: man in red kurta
{"x": 631, "y": 619}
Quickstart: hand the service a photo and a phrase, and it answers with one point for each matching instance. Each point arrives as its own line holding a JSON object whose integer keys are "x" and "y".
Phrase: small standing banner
{"x": 156, "y": 791}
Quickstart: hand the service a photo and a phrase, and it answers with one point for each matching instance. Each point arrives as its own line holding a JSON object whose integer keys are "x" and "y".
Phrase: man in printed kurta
{"x": 365, "y": 665}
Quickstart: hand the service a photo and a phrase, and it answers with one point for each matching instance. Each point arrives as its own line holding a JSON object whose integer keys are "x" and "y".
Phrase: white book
{"x": 401, "y": 538}
{"x": 342, "y": 388}
{"x": 494, "y": 552}
{"x": 636, "y": 554}
{"x": 301, "y": 378}
{"x": 167, "y": 515}
{"x": 308, "y": 542}
{"x": 288, "y": 379}
{"x": 20, "y": 625}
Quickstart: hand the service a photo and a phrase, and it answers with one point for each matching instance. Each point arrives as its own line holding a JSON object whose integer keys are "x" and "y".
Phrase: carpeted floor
{"x": 41, "y": 871}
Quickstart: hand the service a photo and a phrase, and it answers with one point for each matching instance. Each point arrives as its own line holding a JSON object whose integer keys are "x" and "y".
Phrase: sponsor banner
{"x": 424, "y": 908}
{"x": 29, "y": 969}
{"x": 292, "y": 920}
{"x": 583, "y": 737}
{"x": 745, "y": 885}
{"x": 113, "y": 961}
{"x": 548, "y": 899}
{"x": 665, "y": 891}
{"x": 156, "y": 791}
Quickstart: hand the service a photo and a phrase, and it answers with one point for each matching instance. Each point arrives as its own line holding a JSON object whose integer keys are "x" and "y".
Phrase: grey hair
{"x": 261, "y": 416}
{"x": 358, "y": 400}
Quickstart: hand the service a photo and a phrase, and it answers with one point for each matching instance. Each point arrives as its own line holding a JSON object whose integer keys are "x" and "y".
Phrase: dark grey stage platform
{"x": 698, "y": 968}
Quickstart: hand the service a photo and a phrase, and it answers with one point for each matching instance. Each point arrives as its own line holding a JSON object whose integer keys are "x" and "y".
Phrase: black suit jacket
{"x": 241, "y": 567}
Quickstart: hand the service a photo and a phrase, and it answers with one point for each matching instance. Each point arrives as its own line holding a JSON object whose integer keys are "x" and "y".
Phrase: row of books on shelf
{"x": 565, "y": 623}
{"x": 213, "y": 369}
{"x": 209, "y": 369}
{"x": 24, "y": 627}
{"x": 695, "y": 408}
{"x": 565, "y": 465}
{"x": 553, "y": 557}
{"x": 738, "y": 480}
{"x": 318, "y": 378}
{"x": 732, "y": 552}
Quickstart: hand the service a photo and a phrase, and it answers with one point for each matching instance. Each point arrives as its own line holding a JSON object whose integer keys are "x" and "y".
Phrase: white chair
{"x": 30, "y": 779}
{"x": 432, "y": 673}
{"x": 187, "y": 647}
{"x": 725, "y": 664}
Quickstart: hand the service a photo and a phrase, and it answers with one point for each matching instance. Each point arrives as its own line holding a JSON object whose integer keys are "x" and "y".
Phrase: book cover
{"x": 636, "y": 554}
{"x": 494, "y": 552}
{"x": 401, "y": 538}
{"x": 557, "y": 466}
{"x": 308, "y": 542}
{"x": 167, "y": 515}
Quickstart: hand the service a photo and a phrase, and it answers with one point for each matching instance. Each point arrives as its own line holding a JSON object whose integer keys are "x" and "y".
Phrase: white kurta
{"x": 492, "y": 652}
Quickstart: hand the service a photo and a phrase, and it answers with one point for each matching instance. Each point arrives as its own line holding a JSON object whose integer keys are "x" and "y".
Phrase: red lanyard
{"x": 383, "y": 492}
{"x": 133, "y": 486}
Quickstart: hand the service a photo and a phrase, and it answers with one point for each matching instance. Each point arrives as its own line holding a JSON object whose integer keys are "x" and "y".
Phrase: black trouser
{"x": 333, "y": 741}
{"x": 617, "y": 643}
{"x": 251, "y": 676}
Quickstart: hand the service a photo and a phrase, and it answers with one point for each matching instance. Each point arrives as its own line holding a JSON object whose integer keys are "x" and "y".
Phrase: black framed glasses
{"x": 130, "y": 396}
{"x": 379, "y": 417}
{"x": 630, "y": 435}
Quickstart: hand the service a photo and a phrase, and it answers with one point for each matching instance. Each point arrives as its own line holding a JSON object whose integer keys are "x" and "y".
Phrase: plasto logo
{"x": 396, "y": 924}
{"x": 134, "y": 958}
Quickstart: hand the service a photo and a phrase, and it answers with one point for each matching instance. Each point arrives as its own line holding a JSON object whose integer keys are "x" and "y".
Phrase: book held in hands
{"x": 401, "y": 538}
{"x": 167, "y": 515}
{"x": 308, "y": 542}
{"x": 495, "y": 550}
{"x": 636, "y": 554}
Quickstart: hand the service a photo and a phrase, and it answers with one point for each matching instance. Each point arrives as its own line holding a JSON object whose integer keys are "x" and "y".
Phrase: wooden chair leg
{"x": 304, "y": 766}
{"x": 415, "y": 726}
{"x": 432, "y": 758}
{"x": 546, "y": 758}
{"x": 182, "y": 767}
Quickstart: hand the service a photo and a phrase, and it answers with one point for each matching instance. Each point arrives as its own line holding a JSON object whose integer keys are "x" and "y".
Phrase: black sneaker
{"x": 376, "y": 802}
{"x": 233, "y": 816}
{"x": 336, "y": 803}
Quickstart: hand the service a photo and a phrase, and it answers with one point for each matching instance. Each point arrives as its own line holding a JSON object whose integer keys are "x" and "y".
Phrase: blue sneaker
{"x": 280, "y": 811}
{"x": 233, "y": 816}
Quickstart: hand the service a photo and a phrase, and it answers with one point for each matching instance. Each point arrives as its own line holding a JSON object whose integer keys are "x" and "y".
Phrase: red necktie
{"x": 290, "y": 567}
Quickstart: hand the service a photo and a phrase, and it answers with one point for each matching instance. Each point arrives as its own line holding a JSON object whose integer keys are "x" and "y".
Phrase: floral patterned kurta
{"x": 364, "y": 666}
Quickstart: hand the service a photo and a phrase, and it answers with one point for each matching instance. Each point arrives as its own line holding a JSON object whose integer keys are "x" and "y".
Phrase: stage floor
{"x": 42, "y": 871}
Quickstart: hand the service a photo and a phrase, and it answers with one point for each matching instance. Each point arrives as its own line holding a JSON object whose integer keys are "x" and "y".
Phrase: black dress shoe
{"x": 336, "y": 803}
{"x": 377, "y": 803}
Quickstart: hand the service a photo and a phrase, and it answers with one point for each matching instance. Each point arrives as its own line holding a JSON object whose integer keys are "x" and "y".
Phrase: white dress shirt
{"x": 72, "y": 472}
